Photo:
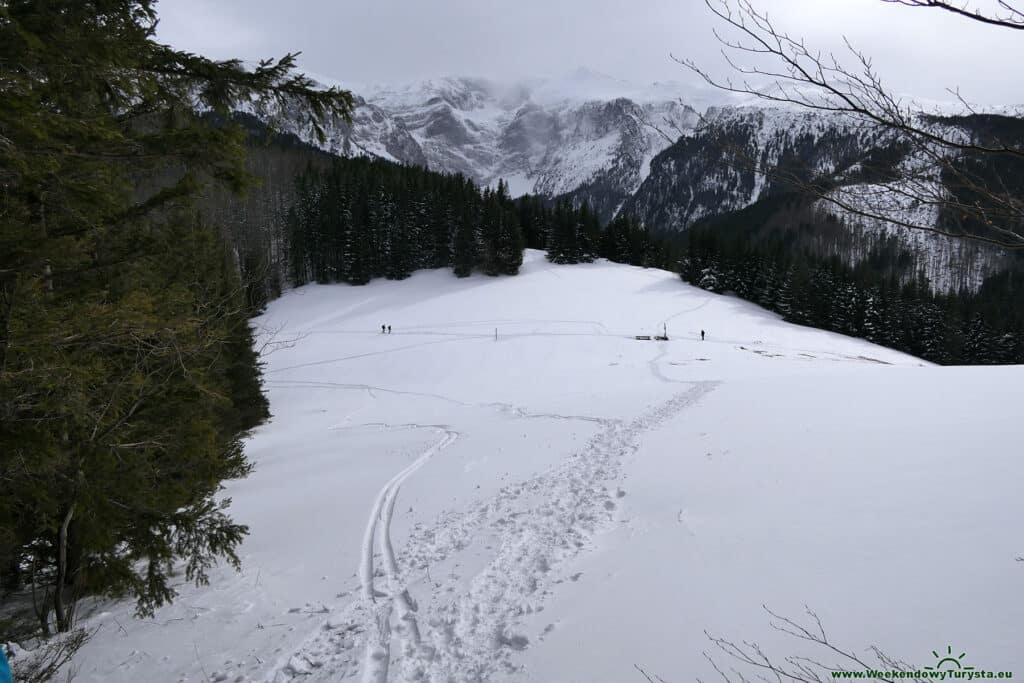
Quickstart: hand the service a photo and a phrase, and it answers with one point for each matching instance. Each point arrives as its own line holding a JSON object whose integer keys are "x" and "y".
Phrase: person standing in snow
{"x": 382, "y": 329}
{"x": 389, "y": 329}
{"x": 702, "y": 335}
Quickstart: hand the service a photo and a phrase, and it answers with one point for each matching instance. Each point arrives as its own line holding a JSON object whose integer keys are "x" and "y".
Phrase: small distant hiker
{"x": 389, "y": 329}
{"x": 702, "y": 335}
{"x": 382, "y": 329}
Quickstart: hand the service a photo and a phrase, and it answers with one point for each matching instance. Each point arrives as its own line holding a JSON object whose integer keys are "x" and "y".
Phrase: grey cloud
{"x": 389, "y": 41}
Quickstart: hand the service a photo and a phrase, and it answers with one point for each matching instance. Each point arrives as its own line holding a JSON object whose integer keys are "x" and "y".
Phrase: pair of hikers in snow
{"x": 383, "y": 327}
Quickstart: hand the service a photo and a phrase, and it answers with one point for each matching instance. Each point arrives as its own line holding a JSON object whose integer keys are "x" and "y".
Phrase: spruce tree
{"x": 464, "y": 243}
{"x": 978, "y": 342}
{"x": 126, "y": 367}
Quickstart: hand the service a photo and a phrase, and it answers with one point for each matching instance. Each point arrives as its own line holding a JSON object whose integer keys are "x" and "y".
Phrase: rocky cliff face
{"x": 712, "y": 170}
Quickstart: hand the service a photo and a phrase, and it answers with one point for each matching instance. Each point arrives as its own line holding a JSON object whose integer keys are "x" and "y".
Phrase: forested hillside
{"x": 852, "y": 228}
{"x": 319, "y": 218}
{"x": 782, "y": 253}
{"x": 314, "y": 217}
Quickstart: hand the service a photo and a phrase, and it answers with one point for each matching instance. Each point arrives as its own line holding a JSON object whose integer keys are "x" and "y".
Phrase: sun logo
{"x": 954, "y": 662}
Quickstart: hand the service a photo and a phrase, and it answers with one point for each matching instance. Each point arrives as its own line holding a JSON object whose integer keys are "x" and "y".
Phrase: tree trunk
{"x": 63, "y": 609}
{"x": 40, "y": 607}
{"x": 8, "y": 282}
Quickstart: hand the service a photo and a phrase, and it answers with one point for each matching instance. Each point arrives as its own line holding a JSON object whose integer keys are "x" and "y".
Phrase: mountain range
{"x": 659, "y": 152}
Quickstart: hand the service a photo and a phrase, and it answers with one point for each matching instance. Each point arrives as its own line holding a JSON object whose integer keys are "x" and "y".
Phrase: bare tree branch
{"x": 941, "y": 153}
{"x": 815, "y": 668}
{"x": 812, "y": 80}
{"x": 1012, "y": 17}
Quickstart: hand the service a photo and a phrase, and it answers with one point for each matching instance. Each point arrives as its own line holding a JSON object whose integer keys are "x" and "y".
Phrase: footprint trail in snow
{"x": 468, "y": 629}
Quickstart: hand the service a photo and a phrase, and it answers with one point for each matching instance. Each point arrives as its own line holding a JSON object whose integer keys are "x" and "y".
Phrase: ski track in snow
{"x": 375, "y": 666}
{"x": 469, "y": 631}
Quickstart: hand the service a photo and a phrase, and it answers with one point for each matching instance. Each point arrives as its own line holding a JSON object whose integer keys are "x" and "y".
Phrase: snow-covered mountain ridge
{"x": 665, "y": 153}
{"x": 549, "y": 137}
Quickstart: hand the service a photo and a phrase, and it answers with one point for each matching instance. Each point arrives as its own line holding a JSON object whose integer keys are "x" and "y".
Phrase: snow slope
{"x": 510, "y": 487}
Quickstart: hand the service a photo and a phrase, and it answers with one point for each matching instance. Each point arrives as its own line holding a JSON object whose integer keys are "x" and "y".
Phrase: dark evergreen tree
{"x": 363, "y": 218}
{"x": 127, "y": 374}
{"x": 979, "y": 344}
{"x": 464, "y": 244}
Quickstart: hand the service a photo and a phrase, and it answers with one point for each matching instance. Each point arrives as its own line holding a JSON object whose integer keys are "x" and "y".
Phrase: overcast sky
{"x": 918, "y": 51}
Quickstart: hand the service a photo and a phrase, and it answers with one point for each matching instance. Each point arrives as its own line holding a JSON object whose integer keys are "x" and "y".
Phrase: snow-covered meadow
{"x": 510, "y": 487}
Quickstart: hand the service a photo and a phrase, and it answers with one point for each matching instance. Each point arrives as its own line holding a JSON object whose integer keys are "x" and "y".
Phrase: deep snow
{"x": 511, "y": 487}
